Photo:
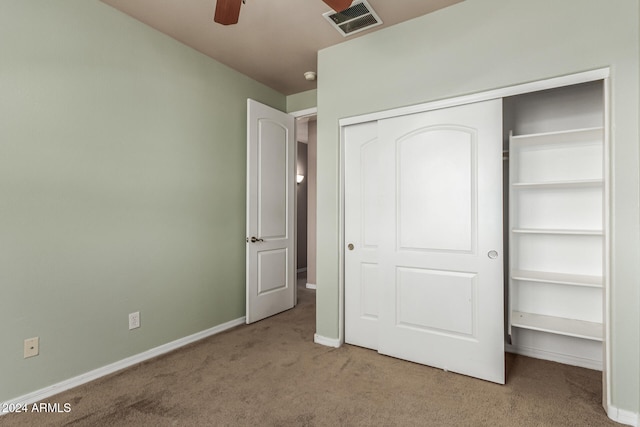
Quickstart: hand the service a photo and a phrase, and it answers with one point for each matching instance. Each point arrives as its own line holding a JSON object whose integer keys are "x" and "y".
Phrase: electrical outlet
{"x": 134, "y": 320}
{"x": 31, "y": 347}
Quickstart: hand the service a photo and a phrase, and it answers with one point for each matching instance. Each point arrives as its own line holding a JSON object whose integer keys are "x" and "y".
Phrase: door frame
{"x": 519, "y": 89}
{"x": 304, "y": 113}
{"x": 300, "y": 114}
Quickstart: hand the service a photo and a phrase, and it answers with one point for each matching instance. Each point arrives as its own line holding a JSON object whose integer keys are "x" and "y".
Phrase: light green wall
{"x": 472, "y": 47}
{"x": 122, "y": 188}
{"x": 302, "y": 101}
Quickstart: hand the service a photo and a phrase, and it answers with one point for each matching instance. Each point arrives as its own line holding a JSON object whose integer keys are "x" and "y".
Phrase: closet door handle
{"x": 492, "y": 254}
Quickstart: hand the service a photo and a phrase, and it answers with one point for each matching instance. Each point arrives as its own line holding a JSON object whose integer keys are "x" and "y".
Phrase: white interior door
{"x": 437, "y": 269}
{"x": 271, "y": 149}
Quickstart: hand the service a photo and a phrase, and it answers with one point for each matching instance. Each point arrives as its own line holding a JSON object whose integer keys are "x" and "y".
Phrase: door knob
{"x": 255, "y": 239}
{"x": 492, "y": 254}
{"x": 350, "y": 246}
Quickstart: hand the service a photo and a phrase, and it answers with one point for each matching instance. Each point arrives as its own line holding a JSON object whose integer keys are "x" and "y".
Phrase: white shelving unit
{"x": 556, "y": 236}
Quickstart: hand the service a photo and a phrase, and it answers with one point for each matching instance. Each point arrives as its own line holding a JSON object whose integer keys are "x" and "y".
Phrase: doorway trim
{"x": 304, "y": 113}
{"x": 519, "y": 89}
{"x": 298, "y": 115}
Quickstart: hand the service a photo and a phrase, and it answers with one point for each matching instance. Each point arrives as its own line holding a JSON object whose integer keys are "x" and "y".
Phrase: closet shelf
{"x": 572, "y": 232}
{"x": 585, "y": 135}
{"x": 557, "y": 278}
{"x": 557, "y": 325}
{"x": 558, "y": 184}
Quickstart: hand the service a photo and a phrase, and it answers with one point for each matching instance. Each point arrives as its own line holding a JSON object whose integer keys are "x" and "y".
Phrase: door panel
{"x": 272, "y": 171}
{"x": 271, "y": 278}
{"x": 430, "y": 213}
{"x": 368, "y": 179}
{"x": 436, "y": 301}
{"x": 370, "y": 287}
{"x": 429, "y": 218}
{"x": 272, "y": 271}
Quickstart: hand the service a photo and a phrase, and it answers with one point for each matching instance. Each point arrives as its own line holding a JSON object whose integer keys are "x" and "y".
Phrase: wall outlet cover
{"x": 31, "y": 347}
{"x": 134, "y": 320}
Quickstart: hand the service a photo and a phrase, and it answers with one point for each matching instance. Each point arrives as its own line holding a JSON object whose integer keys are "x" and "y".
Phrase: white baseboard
{"x": 624, "y": 417}
{"x": 555, "y": 357}
{"x": 329, "y": 342}
{"x": 311, "y": 286}
{"x": 65, "y": 385}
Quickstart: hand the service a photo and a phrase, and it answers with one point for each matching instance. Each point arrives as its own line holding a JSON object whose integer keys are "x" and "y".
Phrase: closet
{"x": 555, "y": 145}
{"x": 451, "y": 257}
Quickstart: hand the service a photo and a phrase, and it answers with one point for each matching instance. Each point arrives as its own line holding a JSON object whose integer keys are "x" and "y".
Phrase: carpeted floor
{"x": 272, "y": 374}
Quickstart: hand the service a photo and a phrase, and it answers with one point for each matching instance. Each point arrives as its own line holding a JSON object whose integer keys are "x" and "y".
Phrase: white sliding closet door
{"x": 364, "y": 172}
{"x": 431, "y": 217}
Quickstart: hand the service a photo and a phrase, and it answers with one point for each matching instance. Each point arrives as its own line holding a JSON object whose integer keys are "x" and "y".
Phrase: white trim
{"x": 329, "y": 342}
{"x": 623, "y": 416}
{"x": 341, "y": 234}
{"x": 608, "y": 248}
{"x": 65, "y": 385}
{"x": 303, "y": 113}
{"x": 311, "y": 286}
{"x": 584, "y": 77}
{"x": 301, "y": 270}
{"x": 555, "y": 357}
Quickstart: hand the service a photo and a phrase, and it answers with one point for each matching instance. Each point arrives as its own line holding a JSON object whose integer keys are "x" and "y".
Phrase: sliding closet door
{"x": 423, "y": 237}
{"x": 364, "y": 172}
{"x": 441, "y": 302}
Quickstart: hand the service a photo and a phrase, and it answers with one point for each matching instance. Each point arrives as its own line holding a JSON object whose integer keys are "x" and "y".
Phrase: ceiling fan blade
{"x": 338, "y": 5}
{"x": 227, "y": 12}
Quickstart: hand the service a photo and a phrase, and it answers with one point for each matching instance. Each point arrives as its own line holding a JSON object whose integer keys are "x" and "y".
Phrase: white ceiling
{"x": 274, "y": 42}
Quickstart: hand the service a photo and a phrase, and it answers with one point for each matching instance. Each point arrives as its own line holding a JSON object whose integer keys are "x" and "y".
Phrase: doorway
{"x": 306, "y": 137}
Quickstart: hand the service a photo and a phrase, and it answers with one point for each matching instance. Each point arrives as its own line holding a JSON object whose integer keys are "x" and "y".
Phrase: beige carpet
{"x": 272, "y": 374}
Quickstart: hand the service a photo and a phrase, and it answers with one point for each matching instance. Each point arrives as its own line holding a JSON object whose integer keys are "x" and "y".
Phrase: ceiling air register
{"x": 359, "y": 17}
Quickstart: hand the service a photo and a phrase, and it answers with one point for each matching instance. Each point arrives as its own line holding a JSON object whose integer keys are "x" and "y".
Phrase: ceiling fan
{"x": 228, "y": 11}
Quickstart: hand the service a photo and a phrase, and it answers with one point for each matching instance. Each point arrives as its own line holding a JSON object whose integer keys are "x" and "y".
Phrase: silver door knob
{"x": 492, "y": 254}
{"x": 350, "y": 246}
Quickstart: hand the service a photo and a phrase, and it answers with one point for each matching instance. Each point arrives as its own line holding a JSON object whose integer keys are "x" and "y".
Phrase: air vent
{"x": 359, "y": 17}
